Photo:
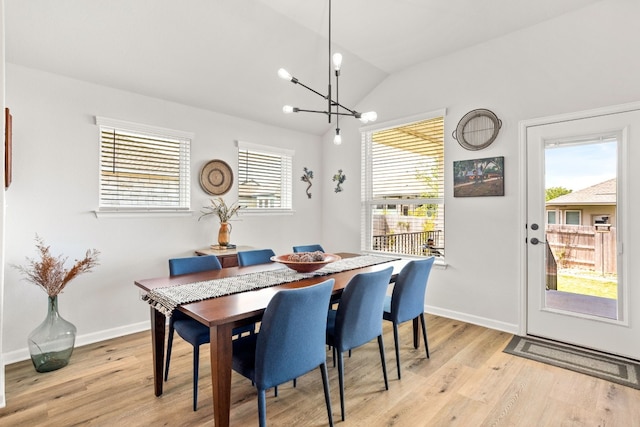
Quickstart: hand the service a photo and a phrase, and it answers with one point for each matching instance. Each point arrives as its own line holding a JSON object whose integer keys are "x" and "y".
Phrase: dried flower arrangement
{"x": 49, "y": 272}
{"x": 219, "y": 208}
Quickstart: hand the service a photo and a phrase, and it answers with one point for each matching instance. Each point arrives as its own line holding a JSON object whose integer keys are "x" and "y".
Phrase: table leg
{"x": 416, "y": 334}
{"x": 221, "y": 361}
{"x": 158, "y": 321}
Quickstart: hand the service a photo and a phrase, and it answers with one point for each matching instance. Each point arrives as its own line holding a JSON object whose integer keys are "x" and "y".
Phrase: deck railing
{"x": 410, "y": 243}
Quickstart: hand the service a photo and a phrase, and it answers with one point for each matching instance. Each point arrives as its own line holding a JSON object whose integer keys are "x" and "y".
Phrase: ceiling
{"x": 223, "y": 55}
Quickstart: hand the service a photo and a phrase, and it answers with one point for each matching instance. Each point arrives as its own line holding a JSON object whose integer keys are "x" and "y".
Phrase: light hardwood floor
{"x": 468, "y": 381}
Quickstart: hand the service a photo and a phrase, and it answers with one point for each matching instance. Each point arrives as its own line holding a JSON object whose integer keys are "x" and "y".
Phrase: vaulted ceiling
{"x": 223, "y": 55}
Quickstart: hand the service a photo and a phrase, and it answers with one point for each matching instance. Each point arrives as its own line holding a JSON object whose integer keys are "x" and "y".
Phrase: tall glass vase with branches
{"x": 52, "y": 342}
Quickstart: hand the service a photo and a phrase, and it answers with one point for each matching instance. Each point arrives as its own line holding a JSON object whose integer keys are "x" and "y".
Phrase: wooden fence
{"x": 583, "y": 247}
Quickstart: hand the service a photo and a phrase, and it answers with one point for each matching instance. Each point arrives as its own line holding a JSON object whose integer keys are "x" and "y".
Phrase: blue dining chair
{"x": 358, "y": 320}
{"x": 307, "y": 248}
{"x": 290, "y": 342}
{"x": 192, "y": 331}
{"x": 407, "y": 300}
{"x": 257, "y": 256}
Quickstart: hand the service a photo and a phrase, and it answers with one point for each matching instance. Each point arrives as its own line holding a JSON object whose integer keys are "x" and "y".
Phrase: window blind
{"x": 265, "y": 176}
{"x": 142, "y": 170}
{"x": 403, "y": 186}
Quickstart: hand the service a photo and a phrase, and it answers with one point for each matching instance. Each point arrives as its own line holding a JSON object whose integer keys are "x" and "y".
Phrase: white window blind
{"x": 143, "y": 167}
{"x": 264, "y": 177}
{"x": 403, "y": 188}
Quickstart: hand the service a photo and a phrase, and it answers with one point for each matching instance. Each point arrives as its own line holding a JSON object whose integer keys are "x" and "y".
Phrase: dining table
{"x": 224, "y": 313}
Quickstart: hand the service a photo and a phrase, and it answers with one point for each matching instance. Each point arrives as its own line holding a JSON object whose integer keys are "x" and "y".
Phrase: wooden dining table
{"x": 223, "y": 314}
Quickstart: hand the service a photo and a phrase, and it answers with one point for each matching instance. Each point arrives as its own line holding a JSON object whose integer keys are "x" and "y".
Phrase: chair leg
{"x": 169, "y": 345}
{"x": 396, "y": 341}
{"x": 327, "y": 397}
{"x": 384, "y": 363}
{"x": 262, "y": 408}
{"x": 196, "y": 363}
{"x": 334, "y": 357}
{"x": 424, "y": 333}
{"x": 341, "y": 382}
{"x": 416, "y": 337}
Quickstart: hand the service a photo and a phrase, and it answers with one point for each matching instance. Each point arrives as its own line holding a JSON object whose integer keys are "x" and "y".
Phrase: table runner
{"x": 167, "y": 299}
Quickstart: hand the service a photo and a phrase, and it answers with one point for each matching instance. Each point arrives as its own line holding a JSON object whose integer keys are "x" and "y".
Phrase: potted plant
{"x": 225, "y": 213}
{"x": 52, "y": 342}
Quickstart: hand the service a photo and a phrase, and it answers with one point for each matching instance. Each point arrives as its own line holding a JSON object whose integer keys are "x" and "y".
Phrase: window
{"x": 551, "y": 217}
{"x": 572, "y": 218}
{"x": 264, "y": 175}
{"x": 143, "y": 168}
{"x": 403, "y": 187}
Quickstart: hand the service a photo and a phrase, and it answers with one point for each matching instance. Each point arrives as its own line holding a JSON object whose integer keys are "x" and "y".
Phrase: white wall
{"x": 579, "y": 61}
{"x": 55, "y": 190}
{"x": 2, "y": 204}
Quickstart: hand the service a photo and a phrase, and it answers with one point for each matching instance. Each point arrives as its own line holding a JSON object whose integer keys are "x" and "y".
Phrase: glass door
{"x": 577, "y": 210}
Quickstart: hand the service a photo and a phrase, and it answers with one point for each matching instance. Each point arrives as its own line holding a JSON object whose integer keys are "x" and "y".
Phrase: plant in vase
{"x": 52, "y": 342}
{"x": 225, "y": 213}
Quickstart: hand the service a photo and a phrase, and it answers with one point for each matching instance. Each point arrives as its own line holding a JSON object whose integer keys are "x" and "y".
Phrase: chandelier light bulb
{"x": 337, "y": 140}
{"x": 287, "y": 109}
{"x": 369, "y": 116}
{"x": 337, "y": 61}
{"x": 284, "y": 74}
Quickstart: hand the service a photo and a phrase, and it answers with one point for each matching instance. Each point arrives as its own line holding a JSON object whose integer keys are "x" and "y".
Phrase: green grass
{"x": 588, "y": 284}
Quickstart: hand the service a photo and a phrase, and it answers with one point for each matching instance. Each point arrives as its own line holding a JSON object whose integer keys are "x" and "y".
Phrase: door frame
{"x": 522, "y": 205}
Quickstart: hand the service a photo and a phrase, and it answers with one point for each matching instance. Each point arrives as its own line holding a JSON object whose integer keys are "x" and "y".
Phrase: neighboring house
{"x": 589, "y": 206}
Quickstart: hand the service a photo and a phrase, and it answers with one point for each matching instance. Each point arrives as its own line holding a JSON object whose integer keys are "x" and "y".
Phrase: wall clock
{"x": 477, "y": 129}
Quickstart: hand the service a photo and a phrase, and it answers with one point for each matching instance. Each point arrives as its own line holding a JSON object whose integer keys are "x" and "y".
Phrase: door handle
{"x": 535, "y": 241}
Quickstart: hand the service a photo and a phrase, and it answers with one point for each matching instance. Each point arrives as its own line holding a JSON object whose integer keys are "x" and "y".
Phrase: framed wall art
{"x": 7, "y": 147}
{"x": 479, "y": 177}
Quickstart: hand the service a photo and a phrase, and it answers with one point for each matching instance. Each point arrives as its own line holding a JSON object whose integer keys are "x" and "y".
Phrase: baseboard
{"x": 475, "y": 320}
{"x": 23, "y": 354}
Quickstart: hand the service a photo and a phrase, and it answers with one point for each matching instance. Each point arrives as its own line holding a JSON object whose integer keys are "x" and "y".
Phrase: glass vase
{"x": 51, "y": 343}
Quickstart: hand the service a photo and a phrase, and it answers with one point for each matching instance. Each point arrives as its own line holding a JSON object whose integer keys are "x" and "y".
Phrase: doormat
{"x": 607, "y": 367}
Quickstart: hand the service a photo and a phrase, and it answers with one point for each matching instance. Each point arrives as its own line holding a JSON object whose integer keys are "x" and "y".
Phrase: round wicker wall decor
{"x": 216, "y": 177}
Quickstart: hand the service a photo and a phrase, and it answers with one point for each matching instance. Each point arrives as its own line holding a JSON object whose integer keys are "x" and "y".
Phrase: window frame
{"x": 184, "y": 161}
{"x": 286, "y": 178}
{"x": 568, "y": 211}
{"x": 368, "y": 203}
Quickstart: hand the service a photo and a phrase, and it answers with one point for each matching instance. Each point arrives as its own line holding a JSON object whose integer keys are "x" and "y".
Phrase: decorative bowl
{"x": 305, "y": 266}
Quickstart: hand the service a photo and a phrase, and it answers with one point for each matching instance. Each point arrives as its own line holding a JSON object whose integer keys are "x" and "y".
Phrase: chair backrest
{"x": 258, "y": 256}
{"x": 307, "y": 248}
{"x": 291, "y": 341}
{"x": 407, "y": 299}
{"x": 194, "y": 264}
{"x": 359, "y": 316}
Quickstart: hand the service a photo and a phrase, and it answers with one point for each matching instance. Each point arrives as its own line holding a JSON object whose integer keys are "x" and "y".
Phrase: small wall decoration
{"x": 340, "y": 178}
{"x": 477, "y": 129}
{"x": 307, "y": 177}
{"x": 216, "y": 177}
{"x": 479, "y": 177}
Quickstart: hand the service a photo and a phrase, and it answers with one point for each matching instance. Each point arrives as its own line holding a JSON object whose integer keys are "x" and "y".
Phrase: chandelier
{"x": 334, "y": 108}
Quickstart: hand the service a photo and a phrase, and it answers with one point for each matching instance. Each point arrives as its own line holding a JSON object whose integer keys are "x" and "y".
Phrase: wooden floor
{"x": 468, "y": 381}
